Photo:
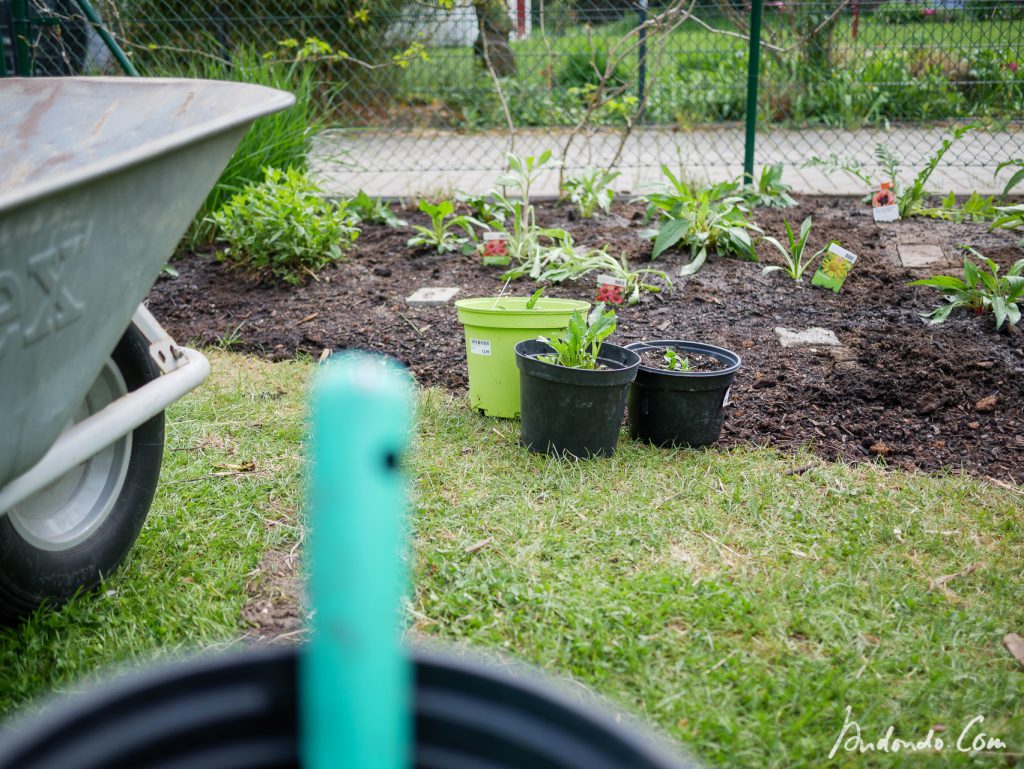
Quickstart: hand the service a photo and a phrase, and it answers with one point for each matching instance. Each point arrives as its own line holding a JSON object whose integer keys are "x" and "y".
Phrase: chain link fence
{"x": 421, "y": 85}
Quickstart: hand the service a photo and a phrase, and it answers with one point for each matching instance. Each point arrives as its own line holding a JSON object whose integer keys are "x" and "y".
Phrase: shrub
{"x": 283, "y": 227}
{"x": 281, "y": 140}
{"x": 585, "y": 69}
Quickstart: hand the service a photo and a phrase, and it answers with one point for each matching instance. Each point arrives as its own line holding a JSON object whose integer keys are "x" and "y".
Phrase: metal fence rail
{"x": 623, "y": 82}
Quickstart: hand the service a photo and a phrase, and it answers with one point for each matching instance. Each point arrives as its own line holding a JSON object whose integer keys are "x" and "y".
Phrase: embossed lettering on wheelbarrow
{"x": 99, "y": 179}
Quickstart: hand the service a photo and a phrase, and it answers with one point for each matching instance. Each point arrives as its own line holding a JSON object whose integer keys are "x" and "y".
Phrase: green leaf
{"x": 945, "y": 282}
{"x": 695, "y": 265}
{"x": 670, "y": 233}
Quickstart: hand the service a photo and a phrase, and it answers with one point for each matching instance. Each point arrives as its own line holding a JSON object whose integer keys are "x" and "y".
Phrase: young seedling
{"x": 591, "y": 191}
{"x": 676, "y": 362}
{"x": 795, "y": 265}
{"x": 769, "y": 192}
{"x": 373, "y": 210}
{"x": 1009, "y": 217}
{"x": 441, "y": 234}
{"x": 578, "y": 346}
{"x": 980, "y": 291}
{"x": 534, "y": 298}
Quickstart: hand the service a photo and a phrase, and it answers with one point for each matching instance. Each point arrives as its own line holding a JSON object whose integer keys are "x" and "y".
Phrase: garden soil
{"x": 897, "y": 390}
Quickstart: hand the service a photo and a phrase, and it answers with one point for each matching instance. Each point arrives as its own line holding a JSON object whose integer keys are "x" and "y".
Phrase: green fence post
{"x": 108, "y": 39}
{"x": 19, "y": 38}
{"x": 753, "y": 72}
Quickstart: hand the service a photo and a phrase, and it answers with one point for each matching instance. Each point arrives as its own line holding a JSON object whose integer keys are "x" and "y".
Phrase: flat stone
{"x": 919, "y": 254}
{"x": 809, "y": 337}
{"x": 432, "y": 296}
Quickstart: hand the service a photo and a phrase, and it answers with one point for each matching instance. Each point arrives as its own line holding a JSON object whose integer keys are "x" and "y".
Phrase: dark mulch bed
{"x": 920, "y": 396}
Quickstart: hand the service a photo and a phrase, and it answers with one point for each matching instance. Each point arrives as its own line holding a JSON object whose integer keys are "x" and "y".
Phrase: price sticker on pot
{"x": 883, "y": 204}
{"x": 834, "y": 268}
{"x": 610, "y": 289}
{"x": 495, "y": 249}
{"x": 480, "y": 346}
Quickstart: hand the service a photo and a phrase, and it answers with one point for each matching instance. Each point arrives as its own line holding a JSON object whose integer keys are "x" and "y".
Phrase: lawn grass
{"x": 738, "y": 608}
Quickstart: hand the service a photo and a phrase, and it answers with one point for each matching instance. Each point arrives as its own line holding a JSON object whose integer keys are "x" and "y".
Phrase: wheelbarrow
{"x": 99, "y": 180}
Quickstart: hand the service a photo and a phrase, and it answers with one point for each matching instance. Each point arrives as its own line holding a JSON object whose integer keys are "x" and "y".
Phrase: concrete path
{"x": 396, "y": 164}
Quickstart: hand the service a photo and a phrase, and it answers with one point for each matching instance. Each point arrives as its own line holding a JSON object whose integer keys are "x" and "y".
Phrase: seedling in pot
{"x": 579, "y": 344}
{"x": 442, "y": 233}
{"x": 980, "y": 291}
{"x": 534, "y": 298}
{"x": 676, "y": 362}
{"x": 795, "y": 264}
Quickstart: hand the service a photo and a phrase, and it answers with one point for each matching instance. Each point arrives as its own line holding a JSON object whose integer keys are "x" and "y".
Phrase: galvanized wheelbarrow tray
{"x": 99, "y": 179}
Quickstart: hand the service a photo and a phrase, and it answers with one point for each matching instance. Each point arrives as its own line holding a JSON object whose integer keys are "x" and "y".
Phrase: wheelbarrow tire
{"x": 37, "y": 570}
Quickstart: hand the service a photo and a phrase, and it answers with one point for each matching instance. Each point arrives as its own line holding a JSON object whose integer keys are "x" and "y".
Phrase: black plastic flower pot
{"x": 680, "y": 408}
{"x": 240, "y": 712}
{"x": 571, "y": 411}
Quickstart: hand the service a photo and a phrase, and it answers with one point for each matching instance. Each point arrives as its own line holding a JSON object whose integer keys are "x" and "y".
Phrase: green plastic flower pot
{"x": 493, "y": 328}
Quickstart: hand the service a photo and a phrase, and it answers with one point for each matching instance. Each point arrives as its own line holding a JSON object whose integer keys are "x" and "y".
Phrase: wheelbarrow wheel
{"x": 66, "y": 537}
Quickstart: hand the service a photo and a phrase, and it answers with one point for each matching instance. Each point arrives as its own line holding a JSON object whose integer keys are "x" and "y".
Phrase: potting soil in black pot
{"x": 239, "y": 712}
{"x": 572, "y": 411}
{"x": 680, "y": 408}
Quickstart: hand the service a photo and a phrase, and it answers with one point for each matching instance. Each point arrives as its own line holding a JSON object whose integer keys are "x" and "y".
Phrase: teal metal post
{"x": 753, "y": 73}
{"x": 89, "y": 12}
{"x": 354, "y": 676}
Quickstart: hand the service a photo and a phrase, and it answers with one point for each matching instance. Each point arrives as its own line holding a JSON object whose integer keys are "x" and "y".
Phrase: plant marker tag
{"x": 834, "y": 268}
{"x": 609, "y": 289}
{"x": 355, "y": 679}
{"x": 480, "y": 346}
{"x": 883, "y": 204}
{"x": 496, "y": 249}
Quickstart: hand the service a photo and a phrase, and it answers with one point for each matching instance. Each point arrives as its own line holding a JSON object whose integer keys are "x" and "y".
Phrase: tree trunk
{"x": 492, "y": 39}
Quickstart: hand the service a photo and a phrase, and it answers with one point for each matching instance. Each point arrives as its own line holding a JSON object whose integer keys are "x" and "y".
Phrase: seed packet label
{"x": 890, "y": 213}
{"x": 610, "y": 280}
{"x": 834, "y": 268}
{"x": 480, "y": 346}
{"x": 883, "y": 204}
{"x": 495, "y": 249}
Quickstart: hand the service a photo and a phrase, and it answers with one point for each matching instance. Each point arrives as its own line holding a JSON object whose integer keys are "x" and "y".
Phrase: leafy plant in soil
{"x": 795, "y": 264}
{"x": 528, "y": 244}
{"x": 977, "y": 208}
{"x": 570, "y": 263}
{"x": 591, "y": 191}
{"x": 911, "y": 200}
{"x": 1017, "y": 178}
{"x": 770, "y": 191}
{"x": 980, "y": 291}
{"x": 483, "y": 208}
{"x": 702, "y": 220}
{"x": 442, "y": 234}
{"x": 365, "y": 208}
{"x": 1009, "y": 217}
{"x": 283, "y": 227}
{"x": 579, "y": 344}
